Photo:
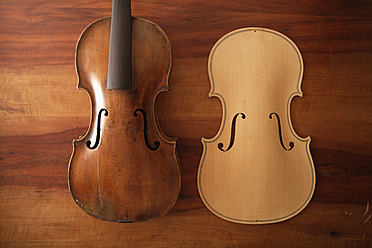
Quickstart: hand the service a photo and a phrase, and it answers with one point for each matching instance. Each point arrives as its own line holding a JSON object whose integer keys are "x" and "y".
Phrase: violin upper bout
{"x": 91, "y": 56}
{"x": 152, "y": 58}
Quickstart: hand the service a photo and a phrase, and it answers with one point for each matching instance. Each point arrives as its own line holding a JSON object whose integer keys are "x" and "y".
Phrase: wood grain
{"x": 124, "y": 169}
{"x": 256, "y": 170}
{"x": 41, "y": 112}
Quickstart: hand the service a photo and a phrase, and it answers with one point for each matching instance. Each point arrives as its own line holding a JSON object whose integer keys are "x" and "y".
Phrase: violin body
{"x": 124, "y": 169}
{"x": 256, "y": 169}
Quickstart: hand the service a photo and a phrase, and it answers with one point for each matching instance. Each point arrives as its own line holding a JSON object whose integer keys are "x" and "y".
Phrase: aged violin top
{"x": 256, "y": 169}
{"x": 124, "y": 169}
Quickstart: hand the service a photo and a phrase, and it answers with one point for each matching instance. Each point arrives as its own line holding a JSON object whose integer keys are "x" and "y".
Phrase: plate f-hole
{"x": 98, "y": 135}
{"x": 145, "y": 128}
{"x": 232, "y": 137}
{"x": 291, "y": 144}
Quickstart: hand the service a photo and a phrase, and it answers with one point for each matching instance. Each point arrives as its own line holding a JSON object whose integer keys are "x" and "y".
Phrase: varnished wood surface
{"x": 130, "y": 171}
{"x": 41, "y": 112}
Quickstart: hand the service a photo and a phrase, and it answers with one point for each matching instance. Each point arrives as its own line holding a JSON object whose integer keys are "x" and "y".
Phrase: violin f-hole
{"x": 145, "y": 128}
{"x": 98, "y": 136}
{"x": 232, "y": 138}
{"x": 291, "y": 144}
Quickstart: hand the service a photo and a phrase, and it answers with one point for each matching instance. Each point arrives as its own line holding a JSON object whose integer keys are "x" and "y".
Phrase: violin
{"x": 125, "y": 169}
{"x": 256, "y": 170}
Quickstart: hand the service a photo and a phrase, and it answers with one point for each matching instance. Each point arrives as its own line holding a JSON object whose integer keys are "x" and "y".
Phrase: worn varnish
{"x": 124, "y": 169}
{"x": 41, "y": 112}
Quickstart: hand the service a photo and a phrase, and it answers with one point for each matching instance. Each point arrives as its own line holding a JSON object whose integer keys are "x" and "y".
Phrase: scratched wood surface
{"x": 41, "y": 112}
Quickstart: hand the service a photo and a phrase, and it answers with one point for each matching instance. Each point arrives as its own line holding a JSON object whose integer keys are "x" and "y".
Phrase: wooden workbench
{"x": 41, "y": 112}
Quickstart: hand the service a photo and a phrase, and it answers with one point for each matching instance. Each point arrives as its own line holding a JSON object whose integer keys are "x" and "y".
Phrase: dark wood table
{"x": 41, "y": 112}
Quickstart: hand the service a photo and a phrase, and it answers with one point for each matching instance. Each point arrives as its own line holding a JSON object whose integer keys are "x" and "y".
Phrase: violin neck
{"x": 120, "y": 55}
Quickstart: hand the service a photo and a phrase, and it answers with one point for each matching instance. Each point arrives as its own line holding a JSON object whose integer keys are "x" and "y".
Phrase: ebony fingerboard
{"x": 120, "y": 55}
